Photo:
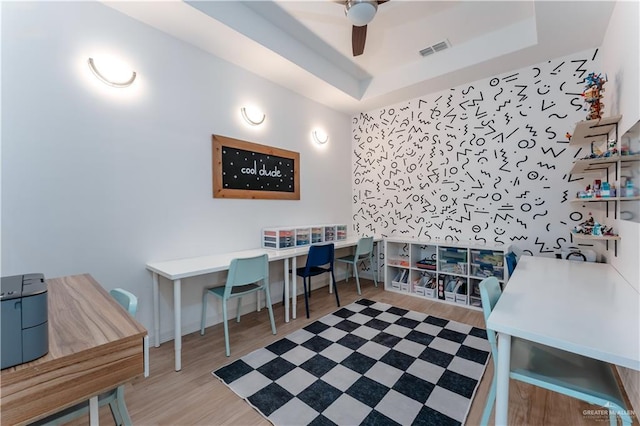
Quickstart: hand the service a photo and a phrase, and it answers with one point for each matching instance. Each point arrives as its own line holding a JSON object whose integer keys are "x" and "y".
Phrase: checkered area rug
{"x": 368, "y": 363}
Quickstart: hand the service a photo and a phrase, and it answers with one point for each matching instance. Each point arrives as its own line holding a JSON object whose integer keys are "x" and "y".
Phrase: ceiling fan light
{"x": 361, "y": 12}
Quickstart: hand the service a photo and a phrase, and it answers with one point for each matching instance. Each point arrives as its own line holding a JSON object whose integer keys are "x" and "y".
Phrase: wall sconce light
{"x": 252, "y": 115}
{"x": 319, "y": 137}
{"x": 113, "y": 74}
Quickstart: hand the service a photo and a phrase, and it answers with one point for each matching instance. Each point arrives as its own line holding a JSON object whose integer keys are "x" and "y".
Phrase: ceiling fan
{"x": 360, "y": 13}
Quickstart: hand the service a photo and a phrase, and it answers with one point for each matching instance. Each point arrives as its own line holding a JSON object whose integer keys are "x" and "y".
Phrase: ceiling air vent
{"x": 427, "y": 51}
{"x": 435, "y": 48}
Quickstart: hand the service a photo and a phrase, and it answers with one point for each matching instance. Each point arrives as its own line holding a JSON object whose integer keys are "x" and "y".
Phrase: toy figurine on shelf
{"x": 593, "y": 227}
{"x": 607, "y": 151}
{"x": 585, "y": 227}
{"x": 594, "y": 87}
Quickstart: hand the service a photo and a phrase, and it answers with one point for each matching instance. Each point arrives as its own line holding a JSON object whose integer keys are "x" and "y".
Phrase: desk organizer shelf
{"x": 300, "y": 236}
{"x": 444, "y": 271}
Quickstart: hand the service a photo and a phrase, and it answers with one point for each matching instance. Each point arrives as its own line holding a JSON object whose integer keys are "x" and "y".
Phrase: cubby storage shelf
{"x": 440, "y": 270}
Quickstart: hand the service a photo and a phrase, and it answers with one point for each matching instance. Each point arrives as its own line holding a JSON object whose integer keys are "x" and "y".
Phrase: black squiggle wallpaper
{"x": 485, "y": 162}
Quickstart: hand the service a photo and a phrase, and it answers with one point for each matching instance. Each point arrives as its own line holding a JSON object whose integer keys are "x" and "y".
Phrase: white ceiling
{"x": 306, "y": 45}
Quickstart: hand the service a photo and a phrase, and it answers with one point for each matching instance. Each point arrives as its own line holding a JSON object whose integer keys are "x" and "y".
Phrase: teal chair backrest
{"x": 364, "y": 247}
{"x": 490, "y": 292}
{"x": 245, "y": 271}
{"x": 126, "y": 299}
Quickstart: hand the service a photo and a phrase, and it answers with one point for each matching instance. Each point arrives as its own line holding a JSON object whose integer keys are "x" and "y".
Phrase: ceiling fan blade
{"x": 358, "y": 38}
{"x": 382, "y": 1}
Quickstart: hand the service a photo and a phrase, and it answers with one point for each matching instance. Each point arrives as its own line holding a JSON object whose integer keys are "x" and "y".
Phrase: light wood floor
{"x": 194, "y": 396}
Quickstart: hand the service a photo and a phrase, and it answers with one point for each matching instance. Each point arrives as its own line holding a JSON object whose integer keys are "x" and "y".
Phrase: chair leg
{"x": 267, "y": 297}
{"x": 238, "y": 309}
{"x": 355, "y": 272}
{"x": 616, "y": 410}
{"x": 306, "y": 298}
{"x": 124, "y": 418}
{"x": 335, "y": 287}
{"x": 115, "y": 413}
{"x": 347, "y": 272}
{"x": 373, "y": 272}
{"x": 491, "y": 399}
{"x": 226, "y": 328}
{"x": 203, "y": 320}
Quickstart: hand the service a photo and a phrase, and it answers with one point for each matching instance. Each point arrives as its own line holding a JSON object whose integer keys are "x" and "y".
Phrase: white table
{"x": 585, "y": 308}
{"x": 176, "y": 270}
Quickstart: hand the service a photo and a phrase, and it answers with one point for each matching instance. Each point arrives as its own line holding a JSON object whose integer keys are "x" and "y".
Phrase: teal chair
{"x": 553, "y": 369}
{"x": 246, "y": 276}
{"x": 364, "y": 252}
{"x": 114, "y": 397}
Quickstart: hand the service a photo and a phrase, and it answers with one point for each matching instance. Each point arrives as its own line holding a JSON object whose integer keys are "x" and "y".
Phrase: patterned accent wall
{"x": 488, "y": 161}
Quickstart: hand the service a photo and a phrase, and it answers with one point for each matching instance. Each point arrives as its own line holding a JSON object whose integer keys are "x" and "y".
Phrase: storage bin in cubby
{"x": 475, "y": 302}
{"x": 449, "y": 296}
{"x": 455, "y": 289}
{"x": 484, "y": 270}
{"x": 461, "y": 299}
{"x": 495, "y": 258}
{"x": 453, "y": 267}
{"x": 424, "y": 283}
{"x": 430, "y": 292}
{"x": 400, "y": 278}
{"x": 452, "y": 254}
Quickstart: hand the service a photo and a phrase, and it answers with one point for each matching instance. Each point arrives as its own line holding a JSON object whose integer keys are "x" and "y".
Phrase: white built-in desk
{"x": 585, "y": 308}
{"x": 176, "y": 270}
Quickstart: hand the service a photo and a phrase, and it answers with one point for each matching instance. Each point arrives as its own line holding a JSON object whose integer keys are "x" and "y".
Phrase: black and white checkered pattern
{"x": 368, "y": 363}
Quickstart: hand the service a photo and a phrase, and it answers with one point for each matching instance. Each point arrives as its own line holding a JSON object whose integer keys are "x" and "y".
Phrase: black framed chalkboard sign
{"x": 244, "y": 169}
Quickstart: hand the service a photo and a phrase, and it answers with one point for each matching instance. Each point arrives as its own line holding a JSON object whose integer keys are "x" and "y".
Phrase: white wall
{"x": 621, "y": 62}
{"x": 101, "y": 181}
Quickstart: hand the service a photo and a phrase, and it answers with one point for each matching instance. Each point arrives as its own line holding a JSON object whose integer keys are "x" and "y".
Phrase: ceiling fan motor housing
{"x": 361, "y": 12}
